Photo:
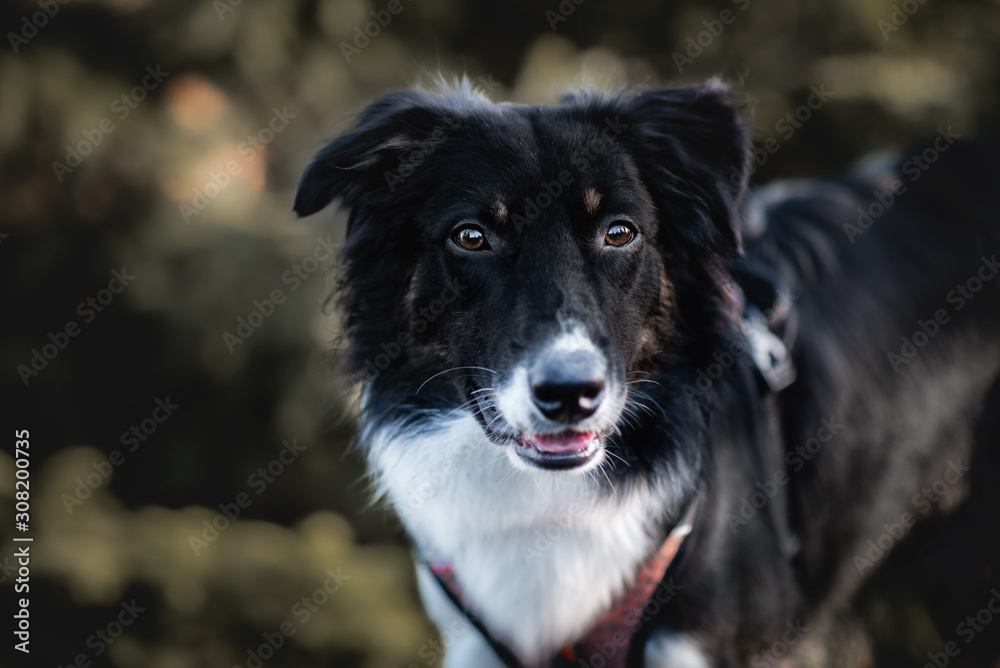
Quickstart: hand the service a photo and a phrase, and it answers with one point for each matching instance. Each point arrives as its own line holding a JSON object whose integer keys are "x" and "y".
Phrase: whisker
{"x": 461, "y": 188}
{"x": 493, "y": 421}
{"x": 615, "y": 454}
{"x": 540, "y": 490}
{"x": 463, "y": 405}
{"x": 639, "y": 404}
{"x": 608, "y": 478}
{"x": 644, "y": 380}
{"x": 494, "y": 461}
{"x": 457, "y": 368}
{"x": 627, "y": 411}
{"x": 648, "y": 398}
{"x": 506, "y": 475}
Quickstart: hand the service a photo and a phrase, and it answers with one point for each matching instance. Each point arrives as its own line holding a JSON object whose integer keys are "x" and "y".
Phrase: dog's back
{"x": 895, "y": 287}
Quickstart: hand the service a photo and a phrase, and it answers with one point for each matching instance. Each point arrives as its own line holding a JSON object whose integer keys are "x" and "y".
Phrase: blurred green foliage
{"x": 184, "y": 179}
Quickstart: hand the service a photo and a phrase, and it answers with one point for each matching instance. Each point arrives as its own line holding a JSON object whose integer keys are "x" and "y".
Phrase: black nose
{"x": 568, "y": 388}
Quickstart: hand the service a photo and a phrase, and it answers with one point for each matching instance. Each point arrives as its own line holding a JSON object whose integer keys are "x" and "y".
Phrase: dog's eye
{"x": 470, "y": 238}
{"x": 619, "y": 234}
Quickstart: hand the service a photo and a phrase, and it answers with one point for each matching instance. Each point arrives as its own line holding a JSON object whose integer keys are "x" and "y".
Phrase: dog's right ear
{"x": 692, "y": 148}
{"x": 367, "y": 155}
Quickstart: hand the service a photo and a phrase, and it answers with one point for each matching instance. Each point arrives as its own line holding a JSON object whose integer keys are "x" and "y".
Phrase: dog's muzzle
{"x": 553, "y": 403}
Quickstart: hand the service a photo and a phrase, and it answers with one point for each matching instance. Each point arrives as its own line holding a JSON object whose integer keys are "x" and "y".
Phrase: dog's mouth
{"x": 561, "y": 451}
{"x": 565, "y": 450}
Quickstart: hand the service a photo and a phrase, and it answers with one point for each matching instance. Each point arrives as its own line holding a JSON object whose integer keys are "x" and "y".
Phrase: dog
{"x": 634, "y": 413}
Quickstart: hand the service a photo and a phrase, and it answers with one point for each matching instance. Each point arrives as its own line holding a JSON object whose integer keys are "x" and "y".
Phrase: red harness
{"x": 607, "y": 642}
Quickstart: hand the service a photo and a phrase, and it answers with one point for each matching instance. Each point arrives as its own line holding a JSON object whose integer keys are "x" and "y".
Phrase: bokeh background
{"x": 186, "y": 182}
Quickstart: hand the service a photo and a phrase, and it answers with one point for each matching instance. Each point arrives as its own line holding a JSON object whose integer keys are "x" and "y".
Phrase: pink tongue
{"x": 563, "y": 442}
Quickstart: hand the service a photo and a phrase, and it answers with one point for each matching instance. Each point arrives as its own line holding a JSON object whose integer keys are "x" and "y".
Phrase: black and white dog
{"x": 632, "y": 415}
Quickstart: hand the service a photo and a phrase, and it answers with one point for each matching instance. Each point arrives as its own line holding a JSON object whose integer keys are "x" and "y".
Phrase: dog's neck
{"x": 538, "y": 556}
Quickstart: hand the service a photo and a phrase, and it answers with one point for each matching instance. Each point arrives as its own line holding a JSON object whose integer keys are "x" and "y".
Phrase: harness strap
{"x": 614, "y": 628}
{"x": 770, "y": 335}
{"x": 445, "y": 576}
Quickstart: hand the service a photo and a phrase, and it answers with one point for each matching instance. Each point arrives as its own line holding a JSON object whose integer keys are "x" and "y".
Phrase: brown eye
{"x": 470, "y": 238}
{"x": 619, "y": 234}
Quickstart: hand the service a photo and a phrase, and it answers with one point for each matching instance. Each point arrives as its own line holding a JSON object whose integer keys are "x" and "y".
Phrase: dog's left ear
{"x": 691, "y": 146}
{"x": 365, "y": 160}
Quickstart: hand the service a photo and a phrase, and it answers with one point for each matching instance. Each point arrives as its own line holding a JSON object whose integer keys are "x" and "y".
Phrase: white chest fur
{"x": 538, "y": 555}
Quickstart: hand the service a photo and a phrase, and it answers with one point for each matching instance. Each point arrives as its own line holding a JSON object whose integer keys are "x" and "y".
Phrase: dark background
{"x": 231, "y": 68}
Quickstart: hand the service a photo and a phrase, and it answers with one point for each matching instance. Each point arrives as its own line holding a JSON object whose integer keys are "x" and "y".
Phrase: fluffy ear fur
{"x": 366, "y": 159}
{"x": 691, "y": 147}
{"x": 379, "y": 169}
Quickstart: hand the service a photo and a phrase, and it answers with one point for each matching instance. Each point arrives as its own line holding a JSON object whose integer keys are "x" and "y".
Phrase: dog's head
{"x": 557, "y": 270}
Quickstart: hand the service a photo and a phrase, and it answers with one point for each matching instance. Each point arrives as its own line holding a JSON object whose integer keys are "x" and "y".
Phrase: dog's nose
{"x": 568, "y": 388}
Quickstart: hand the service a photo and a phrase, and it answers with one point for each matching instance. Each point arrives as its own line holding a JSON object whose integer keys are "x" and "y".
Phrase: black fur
{"x": 416, "y": 164}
